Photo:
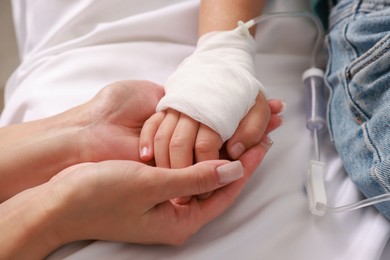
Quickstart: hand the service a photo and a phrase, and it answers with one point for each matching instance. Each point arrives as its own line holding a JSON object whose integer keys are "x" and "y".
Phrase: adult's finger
{"x": 197, "y": 179}
{"x": 275, "y": 121}
{"x": 277, "y": 106}
{"x": 223, "y": 198}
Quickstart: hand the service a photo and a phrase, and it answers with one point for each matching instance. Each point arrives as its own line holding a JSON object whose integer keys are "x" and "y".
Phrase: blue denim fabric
{"x": 358, "y": 75}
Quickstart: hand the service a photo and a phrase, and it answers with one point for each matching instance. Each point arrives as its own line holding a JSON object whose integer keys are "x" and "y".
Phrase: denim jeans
{"x": 358, "y": 75}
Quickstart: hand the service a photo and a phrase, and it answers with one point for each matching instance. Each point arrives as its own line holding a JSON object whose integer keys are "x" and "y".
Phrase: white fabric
{"x": 66, "y": 63}
{"x": 216, "y": 85}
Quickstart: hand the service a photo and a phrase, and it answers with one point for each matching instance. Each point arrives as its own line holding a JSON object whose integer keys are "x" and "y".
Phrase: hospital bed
{"x": 76, "y": 48}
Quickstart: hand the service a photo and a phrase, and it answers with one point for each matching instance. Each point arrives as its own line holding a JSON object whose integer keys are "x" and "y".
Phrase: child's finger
{"x": 207, "y": 144}
{"x": 146, "y": 138}
{"x": 251, "y": 128}
{"x": 182, "y": 142}
{"x": 163, "y": 137}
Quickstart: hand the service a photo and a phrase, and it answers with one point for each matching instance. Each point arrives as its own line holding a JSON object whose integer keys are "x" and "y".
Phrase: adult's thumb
{"x": 200, "y": 178}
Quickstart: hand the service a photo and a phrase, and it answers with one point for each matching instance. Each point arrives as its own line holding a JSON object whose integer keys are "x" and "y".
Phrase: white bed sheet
{"x": 65, "y": 64}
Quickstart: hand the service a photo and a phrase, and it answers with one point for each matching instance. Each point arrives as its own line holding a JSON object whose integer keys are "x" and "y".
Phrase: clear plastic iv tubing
{"x": 314, "y": 19}
{"x": 320, "y": 208}
{"x": 360, "y": 204}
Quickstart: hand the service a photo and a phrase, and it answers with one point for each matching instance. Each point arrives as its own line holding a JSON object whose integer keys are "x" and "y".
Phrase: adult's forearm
{"x": 28, "y": 224}
{"x": 32, "y": 152}
{"x": 218, "y": 15}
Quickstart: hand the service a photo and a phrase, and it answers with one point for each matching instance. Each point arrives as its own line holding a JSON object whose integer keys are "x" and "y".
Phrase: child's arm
{"x": 174, "y": 138}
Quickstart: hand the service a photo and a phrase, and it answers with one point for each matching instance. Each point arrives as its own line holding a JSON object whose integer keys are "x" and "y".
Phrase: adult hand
{"x": 115, "y": 117}
{"x": 121, "y": 201}
{"x": 248, "y": 139}
{"x": 107, "y": 127}
{"x": 117, "y": 201}
{"x": 132, "y": 202}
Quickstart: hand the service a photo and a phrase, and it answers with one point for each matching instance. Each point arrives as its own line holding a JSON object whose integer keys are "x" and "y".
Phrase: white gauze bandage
{"x": 216, "y": 85}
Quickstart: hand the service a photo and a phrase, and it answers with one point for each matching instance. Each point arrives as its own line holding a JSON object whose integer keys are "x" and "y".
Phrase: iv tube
{"x": 314, "y": 19}
{"x": 315, "y": 183}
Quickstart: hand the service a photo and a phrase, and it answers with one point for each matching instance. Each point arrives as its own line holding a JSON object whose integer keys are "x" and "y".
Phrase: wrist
{"x": 29, "y": 224}
{"x": 33, "y": 152}
{"x": 223, "y": 67}
{"x": 218, "y": 15}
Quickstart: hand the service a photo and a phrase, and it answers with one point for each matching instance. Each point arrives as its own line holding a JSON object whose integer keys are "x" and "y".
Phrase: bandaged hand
{"x": 176, "y": 140}
{"x": 206, "y": 98}
{"x": 216, "y": 85}
{"x": 181, "y": 138}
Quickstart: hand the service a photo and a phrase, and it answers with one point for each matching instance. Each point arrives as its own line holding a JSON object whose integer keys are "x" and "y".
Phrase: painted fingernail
{"x": 144, "y": 152}
{"x": 236, "y": 150}
{"x": 230, "y": 172}
{"x": 284, "y": 105}
{"x": 267, "y": 142}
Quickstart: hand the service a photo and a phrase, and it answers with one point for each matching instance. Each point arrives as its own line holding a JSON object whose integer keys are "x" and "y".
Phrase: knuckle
{"x": 160, "y": 137}
{"x": 177, "y": 142}
{"x": 148, "y": 124}
{"x": 154, "y": 119}
{"x": 204, "y": 146}
{"x": 200, "y": 183}
{"x": 253, "y": 131}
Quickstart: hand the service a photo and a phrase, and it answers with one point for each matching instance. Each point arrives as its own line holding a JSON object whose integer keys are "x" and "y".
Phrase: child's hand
{"x": 175, "y": 140}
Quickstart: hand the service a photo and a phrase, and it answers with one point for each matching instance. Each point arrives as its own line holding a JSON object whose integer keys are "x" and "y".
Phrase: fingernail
{"x": 267, "y": 142}
{"x": 236, "y": 150}
{"x": 144, "y": 152}
{"x": 230, "y": 172}
{"x": 284, "y": 105}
